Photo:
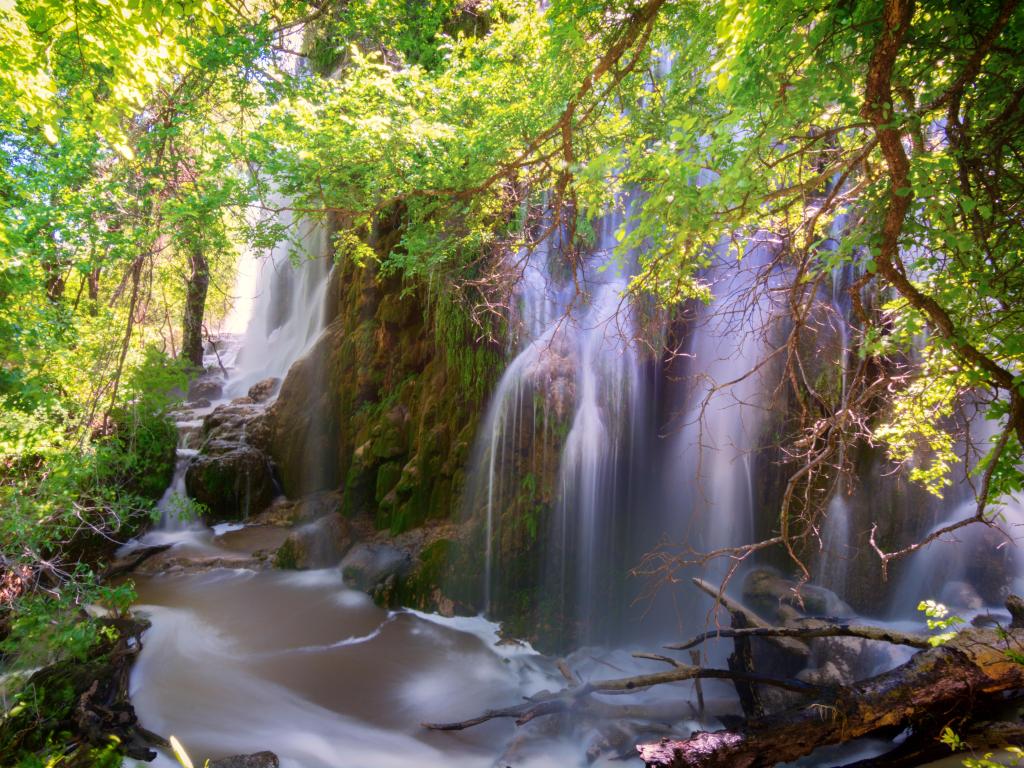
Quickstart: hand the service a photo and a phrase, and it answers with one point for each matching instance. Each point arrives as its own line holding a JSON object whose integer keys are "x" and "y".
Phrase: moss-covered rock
{"x": 388, "y": 475}
{"x": 232, "y": 484}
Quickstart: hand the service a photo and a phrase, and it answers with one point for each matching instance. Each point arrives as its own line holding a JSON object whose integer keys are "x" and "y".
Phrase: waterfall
{"x": 286, "y": 311}
{"x": 551, "y": 466}
{"x": 710, "y": 494}
{"x": 976, "y": 566}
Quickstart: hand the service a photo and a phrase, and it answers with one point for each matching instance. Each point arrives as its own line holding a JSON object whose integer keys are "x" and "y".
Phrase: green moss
{"x": 388, "y": 475}
{"x": 475, "y": 364}
{"x": 287, "y": 558}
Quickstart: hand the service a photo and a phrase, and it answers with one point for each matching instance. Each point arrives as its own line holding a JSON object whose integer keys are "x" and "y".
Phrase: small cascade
{"x": 976, "y": 566}
{"x": 279, "y": 312}
{"x": 836, "y": 545}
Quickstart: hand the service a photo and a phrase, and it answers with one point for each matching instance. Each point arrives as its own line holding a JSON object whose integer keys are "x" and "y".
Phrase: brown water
{"x": 239, "y": 661}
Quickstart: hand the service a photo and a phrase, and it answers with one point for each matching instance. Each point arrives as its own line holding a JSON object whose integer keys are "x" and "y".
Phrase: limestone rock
{"x": 773, "y": 597}
{"x": 303, "y": 421}
{"x": 369, "y": 566}
{"x": 961, "y": 596}
{"x": 318, "y": 544}
{"x": 317, "y": 505}
{"x": 264, "y": 390}
{"x": 205, "y": 388}
{"x": 233, "y": 482}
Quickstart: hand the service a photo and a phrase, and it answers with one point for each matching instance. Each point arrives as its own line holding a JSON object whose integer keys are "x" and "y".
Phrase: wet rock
{"x": 828, "y": 674}
{"x": 369, "y": 566}
{"x": 303, "y": 421}
{"x": 230, "y": 421}
{"x": 255, "y": 760}
{"x": 280, "y": 513}
{"x": 961, "y": 596}
{"x": 772, "y": 596}
{"x": 318, "y": 544}
{"x": 258, "y": 431}
{"x": 205, "y": 388}
{"x": 233, "y": 482}
{"x": 263, "y": 390}
{"x": 842, "y": 660}
{"x": 317, "y": 505}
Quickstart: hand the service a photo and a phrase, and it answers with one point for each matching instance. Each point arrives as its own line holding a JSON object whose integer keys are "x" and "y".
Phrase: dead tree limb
{"x": 807, "y": 633}
{"x": 752, "y": 620}
{"x": 971, "y": 668}
{"x": 576, "y": 697}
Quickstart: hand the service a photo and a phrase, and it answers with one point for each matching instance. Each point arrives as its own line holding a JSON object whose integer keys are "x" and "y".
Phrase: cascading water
{"x": 556, "y": 446}
{"x": 974, "y": 567}
{"x": 710, "y": 501}
{"x": 287, "y": 307}
{"x": 239, "y": 660}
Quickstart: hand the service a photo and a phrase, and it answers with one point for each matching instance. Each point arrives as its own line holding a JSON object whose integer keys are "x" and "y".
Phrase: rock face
{"x": 386, "y": 402}
{"x": 233, "y": 481}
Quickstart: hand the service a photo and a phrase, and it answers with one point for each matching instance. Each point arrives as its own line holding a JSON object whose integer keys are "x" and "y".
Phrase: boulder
{"x": 304, "y": 430}
{"x": 317, "y": 505}
{"x": 961, "y": 596}
{"x": 318, "y": 544}
{"x": 230, "y": 421}
{"x": 255, "y": 760}
{"x": 280, "y": 513}
{"x": 370, "y": 566}
{"x": 233, "y": 482}
{"x": 264, "y": 390}
{"x": 205, "y": 388}
{"x": 775, "y": 598}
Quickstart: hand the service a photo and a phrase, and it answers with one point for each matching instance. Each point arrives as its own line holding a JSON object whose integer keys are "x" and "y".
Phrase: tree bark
{"x": 197, "y": 285}
{"x": 954, "y": 677}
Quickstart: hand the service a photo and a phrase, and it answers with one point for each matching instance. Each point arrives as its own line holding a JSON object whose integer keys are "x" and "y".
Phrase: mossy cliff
{"x": 386, "y": 404}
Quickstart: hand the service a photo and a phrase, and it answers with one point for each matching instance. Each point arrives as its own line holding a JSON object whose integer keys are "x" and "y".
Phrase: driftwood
{"x": 973, "y": 667}
{"x": 133, "y": 561}
{"x": 85, "y": 700}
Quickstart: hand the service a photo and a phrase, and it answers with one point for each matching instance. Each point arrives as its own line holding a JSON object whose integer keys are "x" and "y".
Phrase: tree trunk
{"x": 195, "y": 307}
{"x": 951, "y": 678}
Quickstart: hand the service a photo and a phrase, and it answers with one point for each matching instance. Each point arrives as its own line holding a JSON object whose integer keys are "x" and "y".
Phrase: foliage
{"x": 939, "y": 618}
{"x": 956, "y": 744}
{"x": 121, "y": 128}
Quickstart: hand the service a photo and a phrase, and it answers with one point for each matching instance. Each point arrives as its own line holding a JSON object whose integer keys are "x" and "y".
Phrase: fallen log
{"x": 977, "y": 738}
{"x": 976, "y": 665}
{"x": 133, "y": 561}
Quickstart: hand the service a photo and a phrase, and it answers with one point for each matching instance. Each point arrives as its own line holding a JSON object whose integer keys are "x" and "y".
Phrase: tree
{"x": 900, "y": 117}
